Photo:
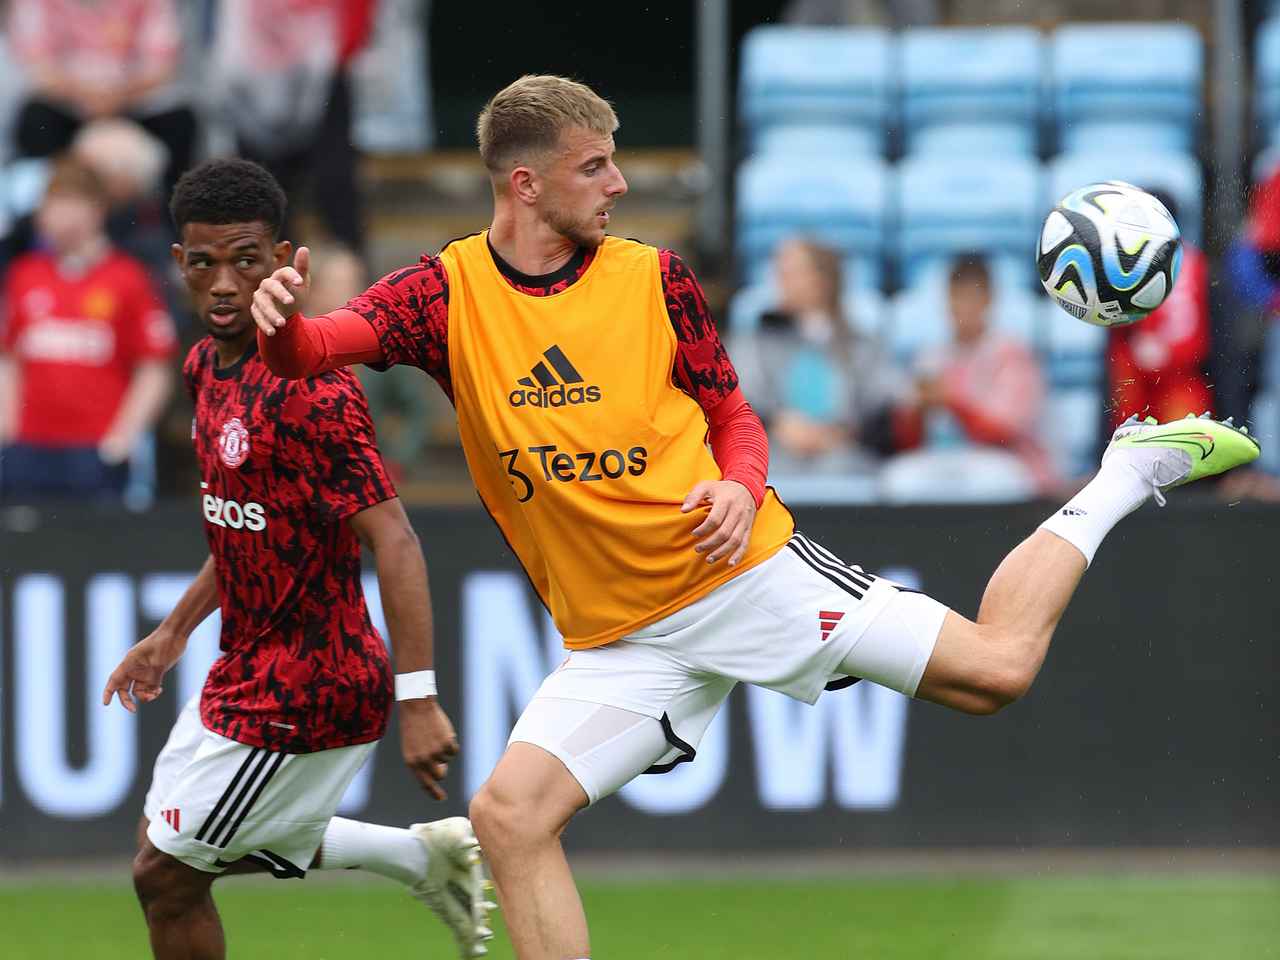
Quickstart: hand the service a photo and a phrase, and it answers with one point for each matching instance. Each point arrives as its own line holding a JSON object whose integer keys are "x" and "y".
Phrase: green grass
{"x": 1019, "y": 918}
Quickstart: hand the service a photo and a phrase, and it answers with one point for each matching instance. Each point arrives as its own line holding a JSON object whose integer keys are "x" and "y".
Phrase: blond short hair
{"x": 528, "y": 116}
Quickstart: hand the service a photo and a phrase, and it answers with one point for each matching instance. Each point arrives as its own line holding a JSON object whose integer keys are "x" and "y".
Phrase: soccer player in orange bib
{"x": 605, "y": 432}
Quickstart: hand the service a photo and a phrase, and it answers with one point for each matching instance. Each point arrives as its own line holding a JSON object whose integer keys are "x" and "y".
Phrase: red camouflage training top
{"x": 283, "y": 464}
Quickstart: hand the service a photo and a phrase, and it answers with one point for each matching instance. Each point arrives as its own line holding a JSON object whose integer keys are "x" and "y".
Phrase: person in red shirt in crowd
{"x": 86, "y": 351}
{"x": 981, "y": 391}
{"x": 1156, "y": 367}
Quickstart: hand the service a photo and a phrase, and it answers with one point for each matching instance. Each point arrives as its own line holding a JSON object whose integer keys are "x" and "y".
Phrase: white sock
{"x": 391, "y": 852}
{"x": 1118, "y": 489}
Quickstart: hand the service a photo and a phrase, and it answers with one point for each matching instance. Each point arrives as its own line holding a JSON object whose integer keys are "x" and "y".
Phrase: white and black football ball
{"x": 1109, "y": 253}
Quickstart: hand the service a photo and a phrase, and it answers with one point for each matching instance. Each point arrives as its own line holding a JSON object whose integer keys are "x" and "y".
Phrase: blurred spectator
{"x": 284, "y": 70}
{"x": 90, "y": 59}
{"x": 1251, "y": 267}
{"x": 130, "y": 162}
{"x": 976, "y": 407}
{"x": 86, "y": 350}
{"x": 1156, "y": 367}
{"x": 825, "y": 391}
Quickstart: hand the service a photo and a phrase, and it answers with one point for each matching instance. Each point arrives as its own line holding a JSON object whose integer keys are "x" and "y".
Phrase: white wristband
{"x": 416, "y": 685}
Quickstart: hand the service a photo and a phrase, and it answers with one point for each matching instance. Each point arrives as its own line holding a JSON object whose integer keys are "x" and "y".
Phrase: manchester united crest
{"x": 233, "y": 444}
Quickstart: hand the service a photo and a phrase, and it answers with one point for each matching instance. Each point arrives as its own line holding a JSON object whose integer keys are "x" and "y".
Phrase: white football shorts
{"x": 214, "y": 801}
{"x": 801, "y": 622}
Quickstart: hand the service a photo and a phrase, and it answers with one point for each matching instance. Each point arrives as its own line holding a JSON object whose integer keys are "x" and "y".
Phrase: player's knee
{"x": 506, "y": 818}
{"x": 998, "y": 687}
{"x": 163, "y": 884}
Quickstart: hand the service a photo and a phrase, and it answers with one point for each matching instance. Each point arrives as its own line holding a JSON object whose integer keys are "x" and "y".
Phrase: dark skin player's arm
{"x": 138, "y": 677}
{"x": 426, "y": 735}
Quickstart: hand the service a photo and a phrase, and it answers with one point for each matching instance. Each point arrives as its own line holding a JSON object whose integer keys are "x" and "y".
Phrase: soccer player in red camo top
{"x": 292, "y": 482}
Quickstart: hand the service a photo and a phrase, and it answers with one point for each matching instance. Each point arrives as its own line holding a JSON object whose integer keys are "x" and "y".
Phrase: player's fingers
{"x": 712, "y": 522}
{"x": 275, "y": 287}
{"x": 722, "y": 543}
{"x": 260, "y": 320}
{"x": 743, "y": 542}
{"x": 732, "y": 545}
{"x": 449, "y": 750}
{"x": 696, "y": 496}
{"x": 147, "y": 692}
{"x": 266, "y": 304}
{"x": 302, "y": 264}
{"x": 430, "y": 785}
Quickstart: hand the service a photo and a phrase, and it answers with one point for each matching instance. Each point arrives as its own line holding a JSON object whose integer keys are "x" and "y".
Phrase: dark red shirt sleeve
{"x": 703, "y": 370}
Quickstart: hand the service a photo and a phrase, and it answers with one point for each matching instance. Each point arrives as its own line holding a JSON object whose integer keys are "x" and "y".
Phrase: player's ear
{"x": 282, "y": 253}
{"x": 524, "y": 185}
{"x": 175, "y": 251}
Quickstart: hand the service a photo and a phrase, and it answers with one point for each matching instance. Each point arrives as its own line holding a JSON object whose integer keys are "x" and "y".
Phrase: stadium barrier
{"x": 1154, "y": 721}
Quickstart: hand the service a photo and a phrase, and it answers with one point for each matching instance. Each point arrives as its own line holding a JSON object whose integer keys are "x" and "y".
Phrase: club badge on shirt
{"x": 233, "y": 444}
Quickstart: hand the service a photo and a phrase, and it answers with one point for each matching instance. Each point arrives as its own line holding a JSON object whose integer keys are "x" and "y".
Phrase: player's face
{"x": 222, "y": 264}
{"x": 580, "y": 185}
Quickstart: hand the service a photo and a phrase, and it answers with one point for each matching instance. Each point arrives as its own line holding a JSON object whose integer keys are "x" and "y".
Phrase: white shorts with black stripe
{"x": 801, "y": 622}
{"x": 214, "y": 801}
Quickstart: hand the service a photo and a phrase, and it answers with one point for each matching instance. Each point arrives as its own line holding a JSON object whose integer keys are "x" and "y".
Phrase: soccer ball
{"x": 1109, "y": 253}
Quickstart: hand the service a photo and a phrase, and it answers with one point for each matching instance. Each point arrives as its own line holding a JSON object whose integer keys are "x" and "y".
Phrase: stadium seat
{"x": 823, "y": 139}
{"x": 1072, "y": 421}
{"x": 1074, "y": 350}
{"x": 814, "y": 75}
{"x": 975, "y": 139}
{"x": 990, "y": 77}
{"x": 1149, "y": 73}
{"x": 835, "y": 200}
{"x": 1176, "y": 173}
{"x": 1267, "y": 77}
{"x": 949, "y": 205}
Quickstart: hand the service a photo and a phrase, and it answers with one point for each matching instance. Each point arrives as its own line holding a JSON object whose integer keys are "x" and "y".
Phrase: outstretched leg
{"x": 983, "y": 666}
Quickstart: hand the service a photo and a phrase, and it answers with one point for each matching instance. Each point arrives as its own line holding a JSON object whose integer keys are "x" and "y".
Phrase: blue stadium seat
{"x": 1267, "y": 76}
{"x": 917, "y": 318}
{"x": 1072, "y": 420}
{"x": 989, "y": 76}
{"x": 1177, "y": 173}
{"x": 1150, "y": 73}
{"x": 822, "y": 139}
{"x": 1074, "y": 350}
{"x": 949, "y": 205}
{"x": 838, "y": 201}
{"x": 975, "y": 139}
{"x": 814, "y": 75}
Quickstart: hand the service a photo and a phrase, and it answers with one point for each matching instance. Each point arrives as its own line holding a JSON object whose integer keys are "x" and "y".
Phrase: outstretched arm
{"x": 140, "y": 673}
{"x": 426, "y": 735}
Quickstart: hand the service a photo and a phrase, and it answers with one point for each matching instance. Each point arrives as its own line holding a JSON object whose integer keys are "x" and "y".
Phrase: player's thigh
{"x": 969, "y": 669}
{"x": 234, "y": 801}
{"x": 179, "y": 750}
{"x": 583, "y": 751}
{"x": 901, "y": 643}
{"x": 612, "y": 713}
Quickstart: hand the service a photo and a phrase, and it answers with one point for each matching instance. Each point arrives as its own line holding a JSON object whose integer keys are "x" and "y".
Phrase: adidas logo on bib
{"x": 543, "y": 388}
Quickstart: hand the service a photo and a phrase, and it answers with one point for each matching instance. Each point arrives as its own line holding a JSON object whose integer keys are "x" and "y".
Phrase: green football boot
{"x": 1178, "y": 452}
